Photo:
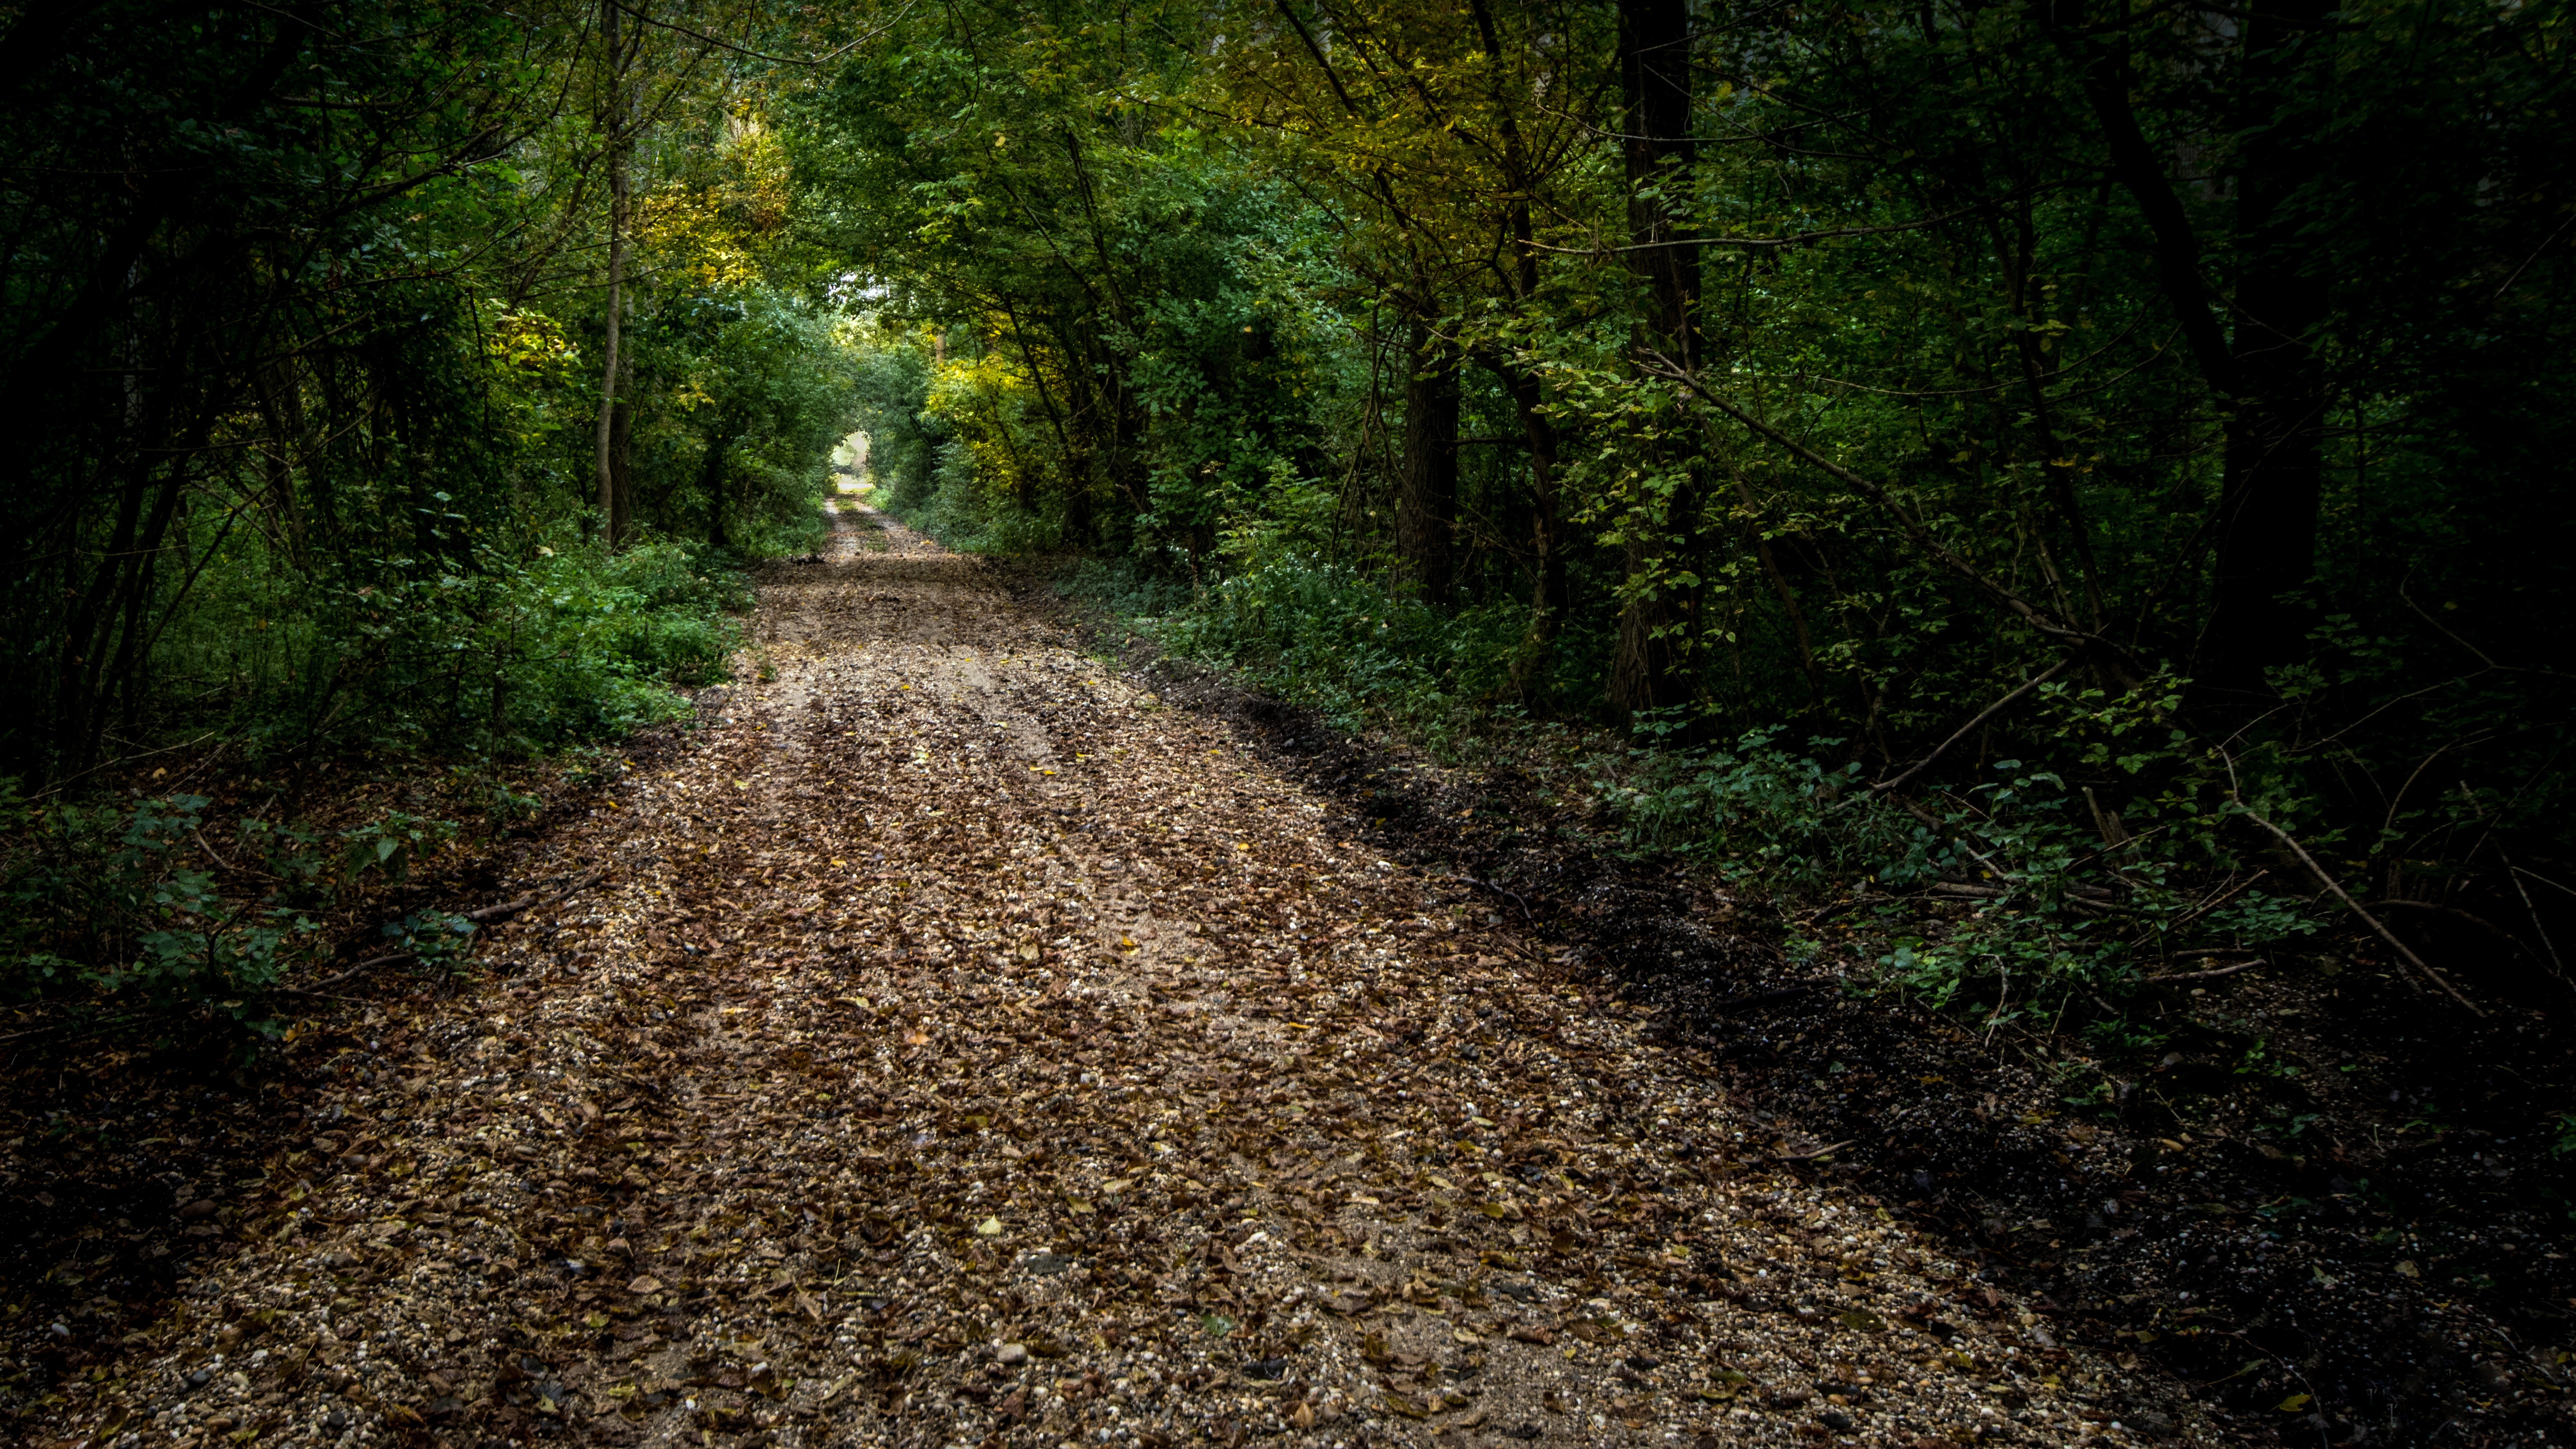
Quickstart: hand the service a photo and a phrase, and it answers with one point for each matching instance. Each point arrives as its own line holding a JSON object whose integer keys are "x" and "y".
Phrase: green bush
{"x": 125, "y": 905}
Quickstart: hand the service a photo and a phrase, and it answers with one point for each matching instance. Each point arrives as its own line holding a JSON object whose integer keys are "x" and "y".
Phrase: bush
{"x": 151, "y": 905}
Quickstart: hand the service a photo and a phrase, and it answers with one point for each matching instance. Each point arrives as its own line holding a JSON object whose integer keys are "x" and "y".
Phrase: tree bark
{"x": 711, "y": 480}
{"x": 621, "y": 469}
{"x": 1426, "y": 500}
{"x": 1547, "y": 554}
{"x": 2267, "y": 509}
{"x": 1655, "y": 88}
{"x": 611, "y": 502}
{"x": 2267, "y": 371}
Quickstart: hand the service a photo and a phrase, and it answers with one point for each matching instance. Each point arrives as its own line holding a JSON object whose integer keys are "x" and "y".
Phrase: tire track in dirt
{"x": 968, "y": 1049}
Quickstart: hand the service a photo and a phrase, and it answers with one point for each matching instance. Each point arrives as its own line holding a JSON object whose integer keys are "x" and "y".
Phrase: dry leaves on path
{"x": 967, "y": 1049}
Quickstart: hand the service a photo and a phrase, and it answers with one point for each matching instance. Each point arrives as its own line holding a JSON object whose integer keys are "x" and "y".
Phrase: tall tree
{"x": 1426, "y": 499}
{"x": 1658, "y": 620}
{"x": 616, "y": 142}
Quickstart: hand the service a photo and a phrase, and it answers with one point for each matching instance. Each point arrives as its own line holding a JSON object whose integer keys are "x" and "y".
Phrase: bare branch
{"x": 1983, "y": 715}
{"x": 2385, "y": 934}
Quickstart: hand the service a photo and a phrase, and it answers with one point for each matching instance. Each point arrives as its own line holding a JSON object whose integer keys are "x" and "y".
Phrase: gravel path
{"x": 965, "y": 1048}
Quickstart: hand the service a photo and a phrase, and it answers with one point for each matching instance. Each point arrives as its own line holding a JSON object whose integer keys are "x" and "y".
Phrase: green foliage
{"x": 1390, "y": 357}
{"x": 485, "y": 652}
{"x": 152, "y": 905}
{"x": 309, "y": 429}
{"x": 115, "y": 904}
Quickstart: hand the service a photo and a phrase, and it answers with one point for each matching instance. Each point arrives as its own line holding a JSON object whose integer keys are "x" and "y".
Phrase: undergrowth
{"x": 125, "y": 902}
{"x": 2002, "y": 889}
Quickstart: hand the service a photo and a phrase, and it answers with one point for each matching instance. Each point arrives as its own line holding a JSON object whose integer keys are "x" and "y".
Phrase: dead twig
{"x": 354, "y": 972}
{"x": 1989, "y": 712}
{"x": 502, "y": 911}
{"x": 2544, "y": 880}
{"x": 2211, "y": 974}
{"x": 1817, "y": 1152}
{"x": 2513, "y": 873}
{"x": 507, "y": 909}
{"x": 655, "y": 1089}
{"x": 2222, "y": 898}
{"x": 2354, "y": 906}
{"x": 1498, "y": 890}
{"x": 1758, "y": 998}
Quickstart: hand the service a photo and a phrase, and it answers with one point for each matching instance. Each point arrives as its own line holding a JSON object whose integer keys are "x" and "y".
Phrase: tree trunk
{"x": 621, "y": 470}
{"x": 1426, "y": 499}
{"x": 2267, "y": 508}
{"x": 1655, "y": 88}
{"x": 1547, "y": 557}
{"x": 610, "y": 494}
{"x": 2267, "y": 372}
{"x": 711, "y": 479}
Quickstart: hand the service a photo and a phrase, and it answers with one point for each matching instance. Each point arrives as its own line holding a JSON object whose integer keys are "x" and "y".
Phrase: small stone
{"x": 1012, "y": 1354}
{"x": 1839, "y": 1422}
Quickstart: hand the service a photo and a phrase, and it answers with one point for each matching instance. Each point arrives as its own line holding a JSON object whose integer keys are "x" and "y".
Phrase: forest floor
{"x": 965, "y": 1045}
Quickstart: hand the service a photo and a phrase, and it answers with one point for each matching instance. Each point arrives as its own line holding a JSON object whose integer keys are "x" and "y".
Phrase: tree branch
{"x": 2354, "y": 906}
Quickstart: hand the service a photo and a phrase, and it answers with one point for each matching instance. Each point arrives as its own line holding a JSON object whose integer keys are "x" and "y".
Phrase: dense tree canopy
{"x": 2163, "y": 401}
{"x": 1835, "y": 370}
{"x": 302, "y": 307}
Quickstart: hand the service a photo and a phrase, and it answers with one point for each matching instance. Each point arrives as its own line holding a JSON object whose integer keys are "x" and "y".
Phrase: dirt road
{"x": 966, "y": 1048}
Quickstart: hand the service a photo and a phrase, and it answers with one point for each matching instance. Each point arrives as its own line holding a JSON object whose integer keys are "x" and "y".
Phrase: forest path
{"x": 965, "y": 1048}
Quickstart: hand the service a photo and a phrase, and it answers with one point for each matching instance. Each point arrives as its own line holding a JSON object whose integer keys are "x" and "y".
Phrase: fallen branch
{"x": 503, "y": 911}
{"x": 2385, "y": 934}
{"x": 1498, "y": 890}
{"x": 2211, "y": 974}
{"x": 1818, "y": 1152}
{"x": 354, "y": 972}
{"x": 507, "y": 909}
{"x": 2474, "y": 919}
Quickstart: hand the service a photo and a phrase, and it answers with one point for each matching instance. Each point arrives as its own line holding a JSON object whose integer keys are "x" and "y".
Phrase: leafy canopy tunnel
{"x": 2097, "y": 451}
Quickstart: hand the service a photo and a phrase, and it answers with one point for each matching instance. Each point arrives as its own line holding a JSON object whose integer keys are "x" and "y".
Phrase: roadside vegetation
{"x": 1842, "y": 447}
{"x": 359, "y": 461}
